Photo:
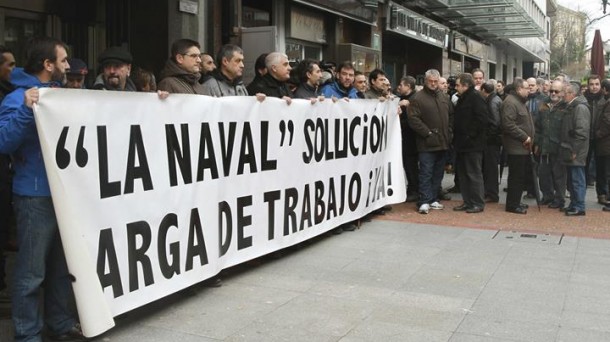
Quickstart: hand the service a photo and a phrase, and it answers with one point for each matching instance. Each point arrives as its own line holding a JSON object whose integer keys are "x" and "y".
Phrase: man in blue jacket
{"x": 40, "y": 260}
{"x": 343, "y": 86}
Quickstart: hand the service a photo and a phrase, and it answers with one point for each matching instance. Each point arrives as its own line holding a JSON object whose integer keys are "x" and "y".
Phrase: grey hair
{"x": 274, "y": 58}
{"x": 540, "y": 81}
{"x": 493, "y": 82}
{"x": 573, "y": 87}
{"x": 432, "y": 73}
{"x": 226, "y": 51}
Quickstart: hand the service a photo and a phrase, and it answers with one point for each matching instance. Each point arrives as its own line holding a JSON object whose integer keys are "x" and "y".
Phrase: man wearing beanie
{"x": 116, "y": 66}
{"x": 75, "y": 76}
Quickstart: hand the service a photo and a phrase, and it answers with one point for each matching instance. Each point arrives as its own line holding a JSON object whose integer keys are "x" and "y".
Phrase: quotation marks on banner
{"x": 283, "y": 128}
{"x": 62, "y": 154}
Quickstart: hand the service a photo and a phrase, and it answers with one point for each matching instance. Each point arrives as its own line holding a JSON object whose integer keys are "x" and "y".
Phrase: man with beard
{"x": 116, "y": 66}
{"x": 377, "y": 87}
{"x": 517, "y": 138}
{"x": 40, "y": 261}
{"x": 469, "y": 129}
{"x": 551, "y": 171}
{"x": 596, "y": 101}
{"x": 343, "y": 86}
{"x": 207, "y": 66}
{"x": 181, "y": 73}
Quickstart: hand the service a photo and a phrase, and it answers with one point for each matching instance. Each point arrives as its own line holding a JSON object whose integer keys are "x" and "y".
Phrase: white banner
{"x": 153, "y": 196}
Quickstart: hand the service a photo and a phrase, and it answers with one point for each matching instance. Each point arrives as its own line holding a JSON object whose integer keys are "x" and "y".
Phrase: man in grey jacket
{"x": 226, "y": 80}
{"x": 575, "y": 130}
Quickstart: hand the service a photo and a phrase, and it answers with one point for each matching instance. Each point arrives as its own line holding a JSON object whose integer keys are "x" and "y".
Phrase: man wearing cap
{"x": 116, "y": 66}
{"x": 181, "y": 73}
{"x": 75, "y": 76}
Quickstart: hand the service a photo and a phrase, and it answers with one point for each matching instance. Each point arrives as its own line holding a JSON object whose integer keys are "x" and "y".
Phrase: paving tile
{"x": 138, "y": 332}
{"x": 462, "y": 337}
{"x": 586, "y": 321}
{"x": 502, "y": 328}
{"x": 447, "y": 282}
{"x": 372, "y": 330}
{"x": 269, "y": 332}
{"x": 581, "y": 335}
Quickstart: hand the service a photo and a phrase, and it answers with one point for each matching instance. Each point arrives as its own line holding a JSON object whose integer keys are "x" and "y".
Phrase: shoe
{"x": 490, "y": 199}
{"x": 444, "y": 196}
{"x": 436, "y": 206}
{"x": 474, "y": 210}
{"x": 602, "y": 199}
{"x": 412, "y": 198}
{"x": 546, "y": 201}
{"x": 216, "y": 281}
{"x": 337, "y": 231}
{"x": 575, "y": 213}
{"x": 348, "y": 227}
{"x": 556, "y": 205}
{"x": 454, "y": 190}
{"x": 529, "y": 196}
{"x": 517, "y": 210}
{"x": 524, "y": 206}
{"x": 74, "y": 334}
{"x": 462, "y": 207}
{"x": 565, "y": 209}
{"x": 424, "y": 208}
{"x": 606, "y": 208}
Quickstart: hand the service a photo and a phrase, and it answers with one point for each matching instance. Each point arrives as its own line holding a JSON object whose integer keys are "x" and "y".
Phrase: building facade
{"x": 505, "y": 38}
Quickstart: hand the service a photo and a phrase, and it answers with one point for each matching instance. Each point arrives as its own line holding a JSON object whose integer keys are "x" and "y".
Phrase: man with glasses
{"x": 575, "y": 130}
{"x": 551, "y": 172}
{"x": 182, "y": 70}
{"x": 343, "y": 86}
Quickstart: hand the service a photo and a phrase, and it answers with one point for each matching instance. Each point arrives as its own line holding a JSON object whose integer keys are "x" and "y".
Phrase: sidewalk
{"x": 392, "y": 281}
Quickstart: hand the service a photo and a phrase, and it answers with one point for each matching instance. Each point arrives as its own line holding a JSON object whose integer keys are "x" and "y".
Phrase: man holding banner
{"x": 40, "y": 259}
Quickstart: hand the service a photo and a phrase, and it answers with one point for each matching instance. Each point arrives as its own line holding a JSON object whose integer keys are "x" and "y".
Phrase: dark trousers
{"x": 491, "y": 159}
{"x": 410, "y": 163}
{"x": 471, "y": 178}
{"x": 601, "y": 183}
{"x": 518, "y": 165}
{"x": 553, "y": 178}
{"x": 6, "y": 212}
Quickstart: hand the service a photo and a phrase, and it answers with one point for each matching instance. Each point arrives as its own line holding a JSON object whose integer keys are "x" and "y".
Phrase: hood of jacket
{"x": 172, "y": 69}
{"x": 21, "y": 79}
{"x": 578, "y": 100}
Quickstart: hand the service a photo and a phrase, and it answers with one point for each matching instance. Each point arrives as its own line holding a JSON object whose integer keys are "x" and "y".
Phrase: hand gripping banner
{"x": 153, "y": 196}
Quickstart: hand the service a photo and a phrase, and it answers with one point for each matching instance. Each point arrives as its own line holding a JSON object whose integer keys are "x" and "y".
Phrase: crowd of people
{"x": 470, "y": 123}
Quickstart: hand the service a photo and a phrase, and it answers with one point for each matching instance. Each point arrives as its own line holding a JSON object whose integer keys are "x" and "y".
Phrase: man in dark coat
{"x": 469, "y": 140}
{"x": 7, "y": 64}
{"x": 182, "y": 70}
{"x": 602, "y": 134}
{"x": 596, "y": 101}
{"x": 575, "y": 130}
{"x": 517, "y": 139}
{"x": 273, "y": 83}
{"x": 406, "y": 90}
{"x": 491, "y": 156}
{"x": 432, "y": 120}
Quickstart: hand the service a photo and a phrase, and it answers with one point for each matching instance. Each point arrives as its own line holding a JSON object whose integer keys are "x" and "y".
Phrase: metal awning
{"x": 487, "y": 19}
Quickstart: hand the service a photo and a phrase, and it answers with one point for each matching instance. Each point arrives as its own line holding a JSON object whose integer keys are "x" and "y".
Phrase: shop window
{"x": 297, "y": 51}
{"x": 256, "y": 13}
{"x": 17, "y": 33}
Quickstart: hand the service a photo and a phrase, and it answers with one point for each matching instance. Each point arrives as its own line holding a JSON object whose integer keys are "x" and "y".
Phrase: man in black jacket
{"x": 469, "y": 129}
{"x": 7, "y": 64}
{"x": 274, "y": 82}
{"x": 491, "y": 156}
{"x": 406, "y": 89}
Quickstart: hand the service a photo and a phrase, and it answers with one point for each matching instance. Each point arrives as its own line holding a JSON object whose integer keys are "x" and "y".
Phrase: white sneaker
{"x": 424, "y": 208}
{"x": 436, "y": 206}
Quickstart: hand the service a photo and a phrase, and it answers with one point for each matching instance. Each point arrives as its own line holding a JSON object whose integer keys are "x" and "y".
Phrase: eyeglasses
{"x": 192, "y": 55}
{"x": 554, "y": 91}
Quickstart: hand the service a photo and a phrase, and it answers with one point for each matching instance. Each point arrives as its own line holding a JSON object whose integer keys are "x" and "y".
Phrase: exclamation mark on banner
{"x": 390, "y": 191}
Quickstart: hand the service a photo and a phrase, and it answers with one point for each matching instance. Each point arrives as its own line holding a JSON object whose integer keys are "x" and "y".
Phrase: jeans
{"x": 40, "y": 262}
{"x": 431, "y": 171}
{"x": 579, "y": 187}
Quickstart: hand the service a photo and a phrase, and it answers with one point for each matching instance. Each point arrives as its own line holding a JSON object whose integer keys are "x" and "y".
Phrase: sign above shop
{"x": 307, "y": 26}
{"x": 188, "y": 6}
{"x": 408, "y": 23}
{"x": 359, "y": 10}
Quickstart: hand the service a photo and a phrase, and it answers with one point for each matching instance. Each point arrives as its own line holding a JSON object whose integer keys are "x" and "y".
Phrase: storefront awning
{"x": 487, "y": 19}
